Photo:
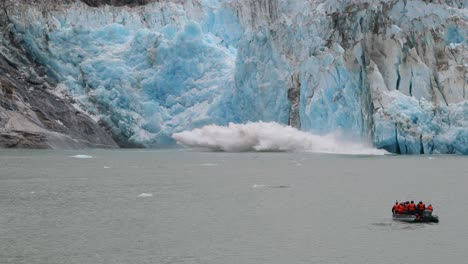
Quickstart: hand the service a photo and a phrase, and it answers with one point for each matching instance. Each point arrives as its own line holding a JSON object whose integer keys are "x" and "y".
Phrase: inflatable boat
{"x": 426, "y": 217}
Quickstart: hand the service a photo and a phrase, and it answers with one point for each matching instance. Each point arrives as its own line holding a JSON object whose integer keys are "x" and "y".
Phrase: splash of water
{"x": 263, "y": 137}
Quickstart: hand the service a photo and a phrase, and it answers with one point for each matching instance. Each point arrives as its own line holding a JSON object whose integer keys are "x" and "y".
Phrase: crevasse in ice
{"x": 391, "y": 72}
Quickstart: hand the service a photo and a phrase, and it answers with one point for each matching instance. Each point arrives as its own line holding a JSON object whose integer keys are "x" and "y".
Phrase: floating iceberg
{"x": 82, "y": 156}
{"x": 143, "y": 195}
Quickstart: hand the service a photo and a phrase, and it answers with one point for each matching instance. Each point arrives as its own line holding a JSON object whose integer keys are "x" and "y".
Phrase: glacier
{"x": 390, "y": 73}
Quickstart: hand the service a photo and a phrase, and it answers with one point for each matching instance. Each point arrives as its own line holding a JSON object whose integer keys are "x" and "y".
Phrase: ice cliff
{"x": 394, "y": 73}
{"x": 32, "y": 115}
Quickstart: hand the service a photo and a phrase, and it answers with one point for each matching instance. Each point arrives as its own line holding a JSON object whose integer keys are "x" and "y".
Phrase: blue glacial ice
{"x": 391, "y": 73}
{"x": 142, "y": 76}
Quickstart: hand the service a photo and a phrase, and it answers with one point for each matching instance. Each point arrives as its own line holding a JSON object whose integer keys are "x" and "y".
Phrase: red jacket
{"x": 401, "y": 209}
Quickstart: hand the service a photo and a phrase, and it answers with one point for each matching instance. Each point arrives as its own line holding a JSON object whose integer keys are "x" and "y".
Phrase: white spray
{"x": 262, "y": 136}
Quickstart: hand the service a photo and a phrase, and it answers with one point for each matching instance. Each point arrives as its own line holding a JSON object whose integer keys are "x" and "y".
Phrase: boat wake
{"x": 268, "y": 137}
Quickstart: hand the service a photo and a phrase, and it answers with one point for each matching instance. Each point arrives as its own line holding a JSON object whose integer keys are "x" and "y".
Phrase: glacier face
{"x": 145, "y": 72}
{"x": 391, "y": 72}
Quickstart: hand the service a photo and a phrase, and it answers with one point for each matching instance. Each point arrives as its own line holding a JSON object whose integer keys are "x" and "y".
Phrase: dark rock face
{"x": 33, "y": 117}
{"x": 294, "y": 95}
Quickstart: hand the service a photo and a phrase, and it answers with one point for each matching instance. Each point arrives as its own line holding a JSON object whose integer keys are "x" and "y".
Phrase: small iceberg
{"x": 145, "y": 195}
{"x": 281, "y": 186}
{"x": 256, "y": 186}
{"x": 296, "y": 162}
{"x": 82, "y": 157}
{"x": 209, "y": 164}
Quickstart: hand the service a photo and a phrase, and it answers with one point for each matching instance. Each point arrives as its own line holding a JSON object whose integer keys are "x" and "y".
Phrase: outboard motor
{"x": 428, "y": 217}
{"x": 427, "y": 213}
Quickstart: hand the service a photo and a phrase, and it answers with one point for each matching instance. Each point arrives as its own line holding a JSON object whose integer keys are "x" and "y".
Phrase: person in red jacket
{"x": 412, "y": 208}
{"x": 406, "y": 206}
{"x": 430, "y": 208}
{"x": 395, "y": 207}
{"x": 421, "y": 207}
{"x": 402, "y": 208}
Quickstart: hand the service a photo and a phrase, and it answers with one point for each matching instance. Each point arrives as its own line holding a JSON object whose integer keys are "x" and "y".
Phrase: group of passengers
{"x": 411, "y": 208}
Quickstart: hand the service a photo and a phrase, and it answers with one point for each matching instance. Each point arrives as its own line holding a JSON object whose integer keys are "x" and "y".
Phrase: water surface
{"x": 172, "y": 206}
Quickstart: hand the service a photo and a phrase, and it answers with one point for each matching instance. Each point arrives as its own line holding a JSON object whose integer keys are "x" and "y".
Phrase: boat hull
{"x": 408, "y": 218}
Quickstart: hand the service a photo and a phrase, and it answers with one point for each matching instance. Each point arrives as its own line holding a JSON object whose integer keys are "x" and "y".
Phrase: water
{"x": 130, "y": 206}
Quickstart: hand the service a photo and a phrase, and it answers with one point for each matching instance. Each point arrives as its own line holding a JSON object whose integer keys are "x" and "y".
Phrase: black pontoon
{"x": 425, "y": 217}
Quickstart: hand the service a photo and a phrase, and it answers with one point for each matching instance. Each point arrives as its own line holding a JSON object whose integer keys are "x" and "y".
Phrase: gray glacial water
{"x": 173, "y": 206}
